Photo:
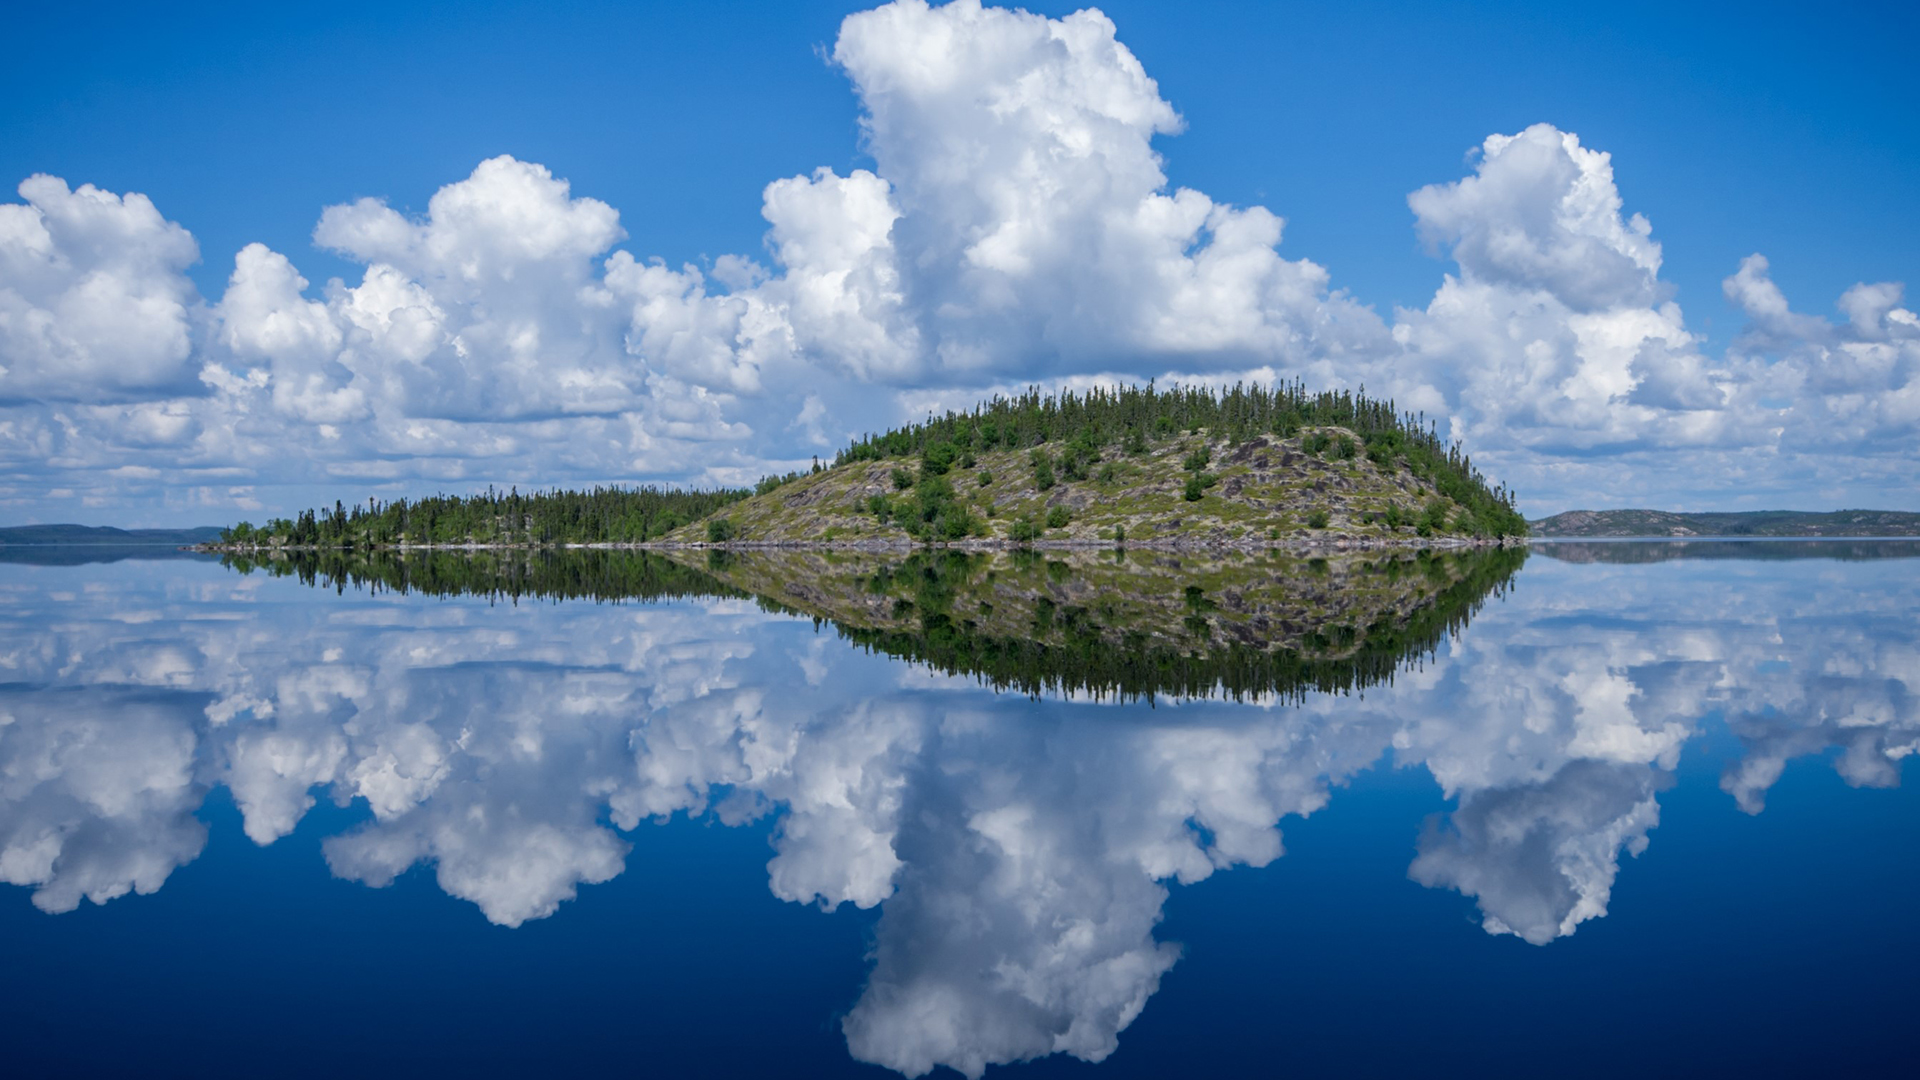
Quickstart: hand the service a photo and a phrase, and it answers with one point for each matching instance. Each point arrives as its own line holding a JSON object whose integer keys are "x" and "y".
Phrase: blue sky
{"x": 1734, "y": 130}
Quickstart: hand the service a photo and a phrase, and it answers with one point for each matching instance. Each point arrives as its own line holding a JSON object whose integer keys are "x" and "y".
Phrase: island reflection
{"x": 1096, "y": 624}
{"x": 1020, "y": 850}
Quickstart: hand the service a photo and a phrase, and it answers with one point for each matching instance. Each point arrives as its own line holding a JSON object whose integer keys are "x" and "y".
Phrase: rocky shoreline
{"x": 1292, "y": 544}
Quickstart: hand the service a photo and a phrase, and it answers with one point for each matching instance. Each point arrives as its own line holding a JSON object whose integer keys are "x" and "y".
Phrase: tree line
{"x": 600, "y": 515}
{"x": 1133, "y": 418}
{"x": 1067, "y": 430}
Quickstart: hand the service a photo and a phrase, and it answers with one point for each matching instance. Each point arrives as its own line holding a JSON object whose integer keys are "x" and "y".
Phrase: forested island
{"x": 1247, "y": 465}
{"x": 1597, "y": 524}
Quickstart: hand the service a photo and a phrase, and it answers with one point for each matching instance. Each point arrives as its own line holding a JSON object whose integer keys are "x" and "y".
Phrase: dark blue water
{"x": 1634, "y": 817}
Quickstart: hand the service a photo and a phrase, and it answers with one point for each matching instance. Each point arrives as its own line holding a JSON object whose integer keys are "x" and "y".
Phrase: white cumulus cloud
{"x": 1018, "y": 225}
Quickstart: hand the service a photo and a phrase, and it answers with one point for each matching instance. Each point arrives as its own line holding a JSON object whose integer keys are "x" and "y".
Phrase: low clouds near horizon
{"x": 1018, "y": 227}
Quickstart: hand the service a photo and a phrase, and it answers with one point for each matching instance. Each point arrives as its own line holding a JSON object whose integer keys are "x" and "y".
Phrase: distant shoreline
{"x": 1726, "y": 525}
{"x": 101, "y": 543}
{"x": 1717, "y": 539}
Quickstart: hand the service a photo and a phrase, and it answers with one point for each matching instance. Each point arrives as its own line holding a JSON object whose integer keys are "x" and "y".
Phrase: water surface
{"x": 1620, "y": 807}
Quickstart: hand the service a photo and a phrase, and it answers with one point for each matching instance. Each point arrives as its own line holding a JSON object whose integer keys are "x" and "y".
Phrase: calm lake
{"x": 1595, "y": 809}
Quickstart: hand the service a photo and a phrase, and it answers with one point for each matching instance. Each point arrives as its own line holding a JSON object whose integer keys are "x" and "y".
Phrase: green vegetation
{"x": 1169, "y": 468}
{"x": 602, "y": 515}
{"x": 1042, "y": 470}
{"x": 1132, "y": 417}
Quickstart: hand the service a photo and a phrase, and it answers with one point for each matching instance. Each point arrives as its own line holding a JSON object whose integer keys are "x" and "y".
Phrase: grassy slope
{"x": 1264, "y": 483}
{"x": 1593, "y": 523}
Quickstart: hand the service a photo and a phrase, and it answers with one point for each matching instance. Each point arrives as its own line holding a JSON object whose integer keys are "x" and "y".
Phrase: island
{"x": 1245, "y": 466}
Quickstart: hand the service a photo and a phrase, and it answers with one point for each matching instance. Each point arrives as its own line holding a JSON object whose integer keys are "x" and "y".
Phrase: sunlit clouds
{"x": 1017, "y": 226}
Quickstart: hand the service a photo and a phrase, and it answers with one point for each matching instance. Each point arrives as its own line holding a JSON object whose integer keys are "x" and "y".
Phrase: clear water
{"x": 1635, "y": 808}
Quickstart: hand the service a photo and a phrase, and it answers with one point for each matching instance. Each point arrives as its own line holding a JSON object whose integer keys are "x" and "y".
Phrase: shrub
{"x": 933, "y": 495}
{"x": 902, "y": 479}
{"x": 1119, "y": 534}
{"x": 1435, "y": 517}
{"x": 1198, "y": 460}
{"x": 1315, "y": 442}
{"x": 1023, "y": 530}
{"x": 954, "y": 523}
{"x": 984, "y": 476}
{"x": 719, "y": 530}
{"x": 1136, "y": 442}
{"x": 938, "y": 457}
{"x": 1195, "y": 488}
{"x": 1343, "y": 449}
{"x": 1109, "y": 473}
{"x": 1058, "y": 517}
{"x": 879, "y": 507}
{"x": 1042, "y": 470}
{"x": 1318, "y": 519}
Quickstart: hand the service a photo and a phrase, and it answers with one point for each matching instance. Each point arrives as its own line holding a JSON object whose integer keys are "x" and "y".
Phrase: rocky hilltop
{"x": 1194, "y": 490}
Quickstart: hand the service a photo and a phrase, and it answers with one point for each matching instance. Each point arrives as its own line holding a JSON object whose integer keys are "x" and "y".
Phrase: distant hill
{"x": 1778, "y": 523}
{"x": 105, "y": 535}
{"x": 1842, "y": 549}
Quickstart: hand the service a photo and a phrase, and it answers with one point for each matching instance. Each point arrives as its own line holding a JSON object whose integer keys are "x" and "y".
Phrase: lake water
{"x": 1606, "y": 808}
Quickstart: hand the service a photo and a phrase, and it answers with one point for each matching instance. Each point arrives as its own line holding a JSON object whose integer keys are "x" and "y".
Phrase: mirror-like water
{"x": 797, "y": 812}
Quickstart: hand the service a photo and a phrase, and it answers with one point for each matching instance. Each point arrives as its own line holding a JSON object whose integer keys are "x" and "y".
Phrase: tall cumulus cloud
{"x": 1018, "y": 226}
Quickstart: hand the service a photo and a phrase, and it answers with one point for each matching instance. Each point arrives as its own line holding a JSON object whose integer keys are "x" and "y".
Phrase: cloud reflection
{"x": 1021, "y": 850}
